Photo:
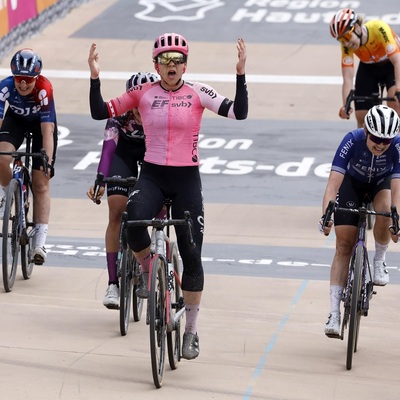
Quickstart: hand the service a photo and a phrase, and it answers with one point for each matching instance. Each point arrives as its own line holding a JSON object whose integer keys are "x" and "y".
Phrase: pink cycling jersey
{"x": 171, "y": 119}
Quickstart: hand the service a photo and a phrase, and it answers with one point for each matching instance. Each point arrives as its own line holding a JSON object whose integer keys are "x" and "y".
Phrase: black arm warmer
{"x": 98, "y": 108}
{"x": 241, "y": 104}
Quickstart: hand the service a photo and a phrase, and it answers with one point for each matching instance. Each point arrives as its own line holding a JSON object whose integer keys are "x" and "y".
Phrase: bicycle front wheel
{"x": 174, "y": 338}
{"x": 11, "y": 225}
{"x": 355, "y": 302}
{"x": 125, "y": 291}
{"x": 27, "y": 237}
{"x": 137, "y": 302}
{"x": 157, "y": 318}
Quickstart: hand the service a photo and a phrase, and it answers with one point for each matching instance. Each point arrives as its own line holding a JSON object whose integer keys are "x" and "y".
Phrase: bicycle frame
{"x": 165, "y": 302}
{"x": 359, "y": 287}
{"x": 366, "y": 272}
{"x": 15, "y": 233}
{"x": 162, "y": 246}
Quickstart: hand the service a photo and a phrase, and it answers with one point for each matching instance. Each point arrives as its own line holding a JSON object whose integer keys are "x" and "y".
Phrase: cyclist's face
{"x": 350, "y": 39}
{"x": 171, "y": 74}
{"x": 24, "y": 87}
{"x": 377, "y": 149}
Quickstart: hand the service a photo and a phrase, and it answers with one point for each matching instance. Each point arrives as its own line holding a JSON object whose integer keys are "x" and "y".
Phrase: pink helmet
{"x": 170, "y": 42}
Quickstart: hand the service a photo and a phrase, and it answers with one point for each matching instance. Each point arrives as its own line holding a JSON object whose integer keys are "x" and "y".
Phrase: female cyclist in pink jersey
{"x": 378, "y": 48}
{"x": 171, "y": 111}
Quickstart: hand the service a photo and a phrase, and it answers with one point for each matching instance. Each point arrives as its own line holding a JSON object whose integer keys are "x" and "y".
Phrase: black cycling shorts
{"x": 352, "y": 193}
{"x": 13, "y": 131}
{"x": 182, "y": 185}
{"x": 367, "y": 81}
{"x": 127, "y": 156}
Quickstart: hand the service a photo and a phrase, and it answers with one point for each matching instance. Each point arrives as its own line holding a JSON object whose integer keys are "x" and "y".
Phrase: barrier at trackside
{"x": 20, "y": 19}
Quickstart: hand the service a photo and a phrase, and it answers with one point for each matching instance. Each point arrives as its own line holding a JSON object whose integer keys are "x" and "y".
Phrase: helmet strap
{"x": 359, "y": 35}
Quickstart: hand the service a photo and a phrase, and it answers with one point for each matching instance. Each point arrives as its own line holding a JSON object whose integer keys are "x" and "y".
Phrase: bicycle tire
{"x": 125, "y": 291}
{"x": 157, "y": 318}
{"x": 11, "y": 239}
{"x": 137, "y": 302}
{"x": 355, "y": 312}
{"x": 27, "y": 238}
{"x": 174, "y": 338}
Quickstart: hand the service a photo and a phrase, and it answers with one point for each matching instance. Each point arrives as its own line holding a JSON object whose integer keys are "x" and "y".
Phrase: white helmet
{"x": 382, "y": 122}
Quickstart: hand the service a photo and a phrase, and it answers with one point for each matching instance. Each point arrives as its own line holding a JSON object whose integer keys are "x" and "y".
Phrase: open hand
{"x": 93, "y": 62}
{"x": 242, "y": 55}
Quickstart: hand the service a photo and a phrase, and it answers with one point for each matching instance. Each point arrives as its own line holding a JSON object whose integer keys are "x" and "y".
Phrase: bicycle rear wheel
{"x": 355, "y": 311}
{"x": 11, "y": 221}
{"x": 174, "y": 338}
{"x": 125, "y": 291}
{"x": 158, "y": 327}
{"x": 137, "y": 302}
{"x": 27, "y": 237}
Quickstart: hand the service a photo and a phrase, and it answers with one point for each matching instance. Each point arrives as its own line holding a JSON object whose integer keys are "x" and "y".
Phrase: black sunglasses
{"x": 377, "y": 140}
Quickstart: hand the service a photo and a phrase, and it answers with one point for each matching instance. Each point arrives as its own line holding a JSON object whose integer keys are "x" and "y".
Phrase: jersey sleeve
{"x": 213, "y": 101}
{"x": 343, "y": 154}
{"x": 4, "y": 95}
{"x": 45, "y": 97}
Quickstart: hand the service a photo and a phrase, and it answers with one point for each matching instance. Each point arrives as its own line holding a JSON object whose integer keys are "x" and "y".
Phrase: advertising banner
{"x": 20, "y": 11}
{"x": 43, "y": 4}
{"x": 3, "y": 20}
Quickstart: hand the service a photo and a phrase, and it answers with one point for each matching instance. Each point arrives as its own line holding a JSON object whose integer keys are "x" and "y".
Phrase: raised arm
{"x": 241, "y": 103}
{"x": 98, "y": 108}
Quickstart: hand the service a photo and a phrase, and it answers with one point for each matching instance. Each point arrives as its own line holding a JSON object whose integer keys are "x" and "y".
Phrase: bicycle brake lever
{"x": 97, "y": 183}
{"x": 348, "y": 101}
{"x": 395, "y": 219}
{"x": 189, "y": 229}
{"x": 45, "y": 161}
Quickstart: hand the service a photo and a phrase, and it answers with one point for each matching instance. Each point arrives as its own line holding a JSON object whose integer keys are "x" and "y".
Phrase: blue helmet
{"x": 26, "y": 62}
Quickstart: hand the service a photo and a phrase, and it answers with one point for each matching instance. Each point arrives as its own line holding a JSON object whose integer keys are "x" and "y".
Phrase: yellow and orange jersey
{"x": 381, "y": 44}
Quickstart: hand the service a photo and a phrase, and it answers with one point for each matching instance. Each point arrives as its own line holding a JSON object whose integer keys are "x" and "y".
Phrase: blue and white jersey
{"x": 354, "y": 157}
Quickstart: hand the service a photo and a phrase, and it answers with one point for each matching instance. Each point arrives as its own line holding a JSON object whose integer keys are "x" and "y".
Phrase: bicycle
{"x": 128, "y": 268}
{"x": 165, "y": 304}
{"x": 17, "y": 232}
{"x": 360, "y": 287}
{"x": 376, "y": 99}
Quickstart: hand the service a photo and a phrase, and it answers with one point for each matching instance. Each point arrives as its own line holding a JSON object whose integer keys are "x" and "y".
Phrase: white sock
{"x": 192, "y": 310}
{"x": 380, "y": 251}
{"x": 336, "y": 293}
{"x": 39, "y": 239}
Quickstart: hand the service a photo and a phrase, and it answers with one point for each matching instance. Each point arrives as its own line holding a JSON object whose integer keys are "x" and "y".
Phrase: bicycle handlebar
{"x": 101, "y": 181}
{"x": 362, "y": 210}
{"x": 376, "y": 99}
{"x": 163, "y": 223}
{"x": 19, "y": 154}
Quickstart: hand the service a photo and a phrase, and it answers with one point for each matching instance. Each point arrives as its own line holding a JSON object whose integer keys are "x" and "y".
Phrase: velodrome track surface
{"x": 260, "y": 337}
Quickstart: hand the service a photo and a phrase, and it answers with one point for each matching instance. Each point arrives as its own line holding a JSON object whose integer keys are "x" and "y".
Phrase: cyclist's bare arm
{"x": 48, "y": 142}
{"x": 395, "y": 196}
{"x": 348, "y": 78}
{"x": 395, "y": 60}
{"x": 332, "y": 187}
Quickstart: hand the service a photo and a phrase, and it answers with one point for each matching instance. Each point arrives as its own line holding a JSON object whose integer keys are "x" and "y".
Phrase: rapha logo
{"x": 181, "y": 10}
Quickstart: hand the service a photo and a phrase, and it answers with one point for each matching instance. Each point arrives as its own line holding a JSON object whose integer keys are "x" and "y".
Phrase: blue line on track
{"x": 270, "y": 345}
